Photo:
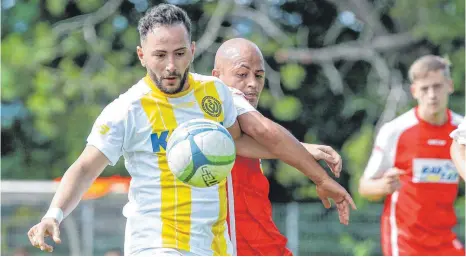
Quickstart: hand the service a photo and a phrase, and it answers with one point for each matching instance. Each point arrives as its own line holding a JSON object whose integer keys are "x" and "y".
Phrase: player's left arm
{"x": 235, "y": 131}
{"x": 247, "y": 146}
{"x": 280, "y": 143}
{"x": 290, "y": 150}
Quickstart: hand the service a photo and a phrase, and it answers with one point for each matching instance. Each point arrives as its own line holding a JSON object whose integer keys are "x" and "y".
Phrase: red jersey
{"x": 418, "y": 219}
{"x": 256, "y": 233}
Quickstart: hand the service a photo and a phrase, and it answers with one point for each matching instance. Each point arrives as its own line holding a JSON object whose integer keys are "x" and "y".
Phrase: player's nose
{"x": 431, "y": 93}
{"x": 171, "y": 68}
{"x": 253, "y": 84}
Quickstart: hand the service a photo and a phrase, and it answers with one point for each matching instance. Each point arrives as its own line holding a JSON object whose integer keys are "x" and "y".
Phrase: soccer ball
{"x": 201, "y": 152}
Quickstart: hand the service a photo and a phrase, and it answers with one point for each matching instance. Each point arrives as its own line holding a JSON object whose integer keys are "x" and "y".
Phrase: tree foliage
{"x": 336, "y": 70}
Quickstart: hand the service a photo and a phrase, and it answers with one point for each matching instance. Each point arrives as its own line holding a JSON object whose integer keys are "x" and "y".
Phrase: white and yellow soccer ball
{"x": 201, "y": 152}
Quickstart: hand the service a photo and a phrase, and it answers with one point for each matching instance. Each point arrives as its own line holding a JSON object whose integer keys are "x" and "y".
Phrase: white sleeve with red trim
{"x": 383, "y": 153}
{"x": 241, "y": 103}
{"x": 459, "y": 134}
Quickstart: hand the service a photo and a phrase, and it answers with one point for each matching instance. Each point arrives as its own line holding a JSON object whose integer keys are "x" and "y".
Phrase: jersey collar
{"x": 416, "y": 112}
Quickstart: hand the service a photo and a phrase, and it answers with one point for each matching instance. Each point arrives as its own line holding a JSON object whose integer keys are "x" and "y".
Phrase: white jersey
{"x": 163, "y": 211}
{"x": 459, "y": 134}
{"x": 241, "y": 103}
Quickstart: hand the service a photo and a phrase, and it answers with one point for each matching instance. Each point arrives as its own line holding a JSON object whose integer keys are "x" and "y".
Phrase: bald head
{"x": 240, "y": 64}
{"x": 234, "y": 49}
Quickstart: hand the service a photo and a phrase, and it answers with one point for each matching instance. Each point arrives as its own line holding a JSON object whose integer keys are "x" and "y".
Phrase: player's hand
{"x": 328, "y": 154}
{"x": 330, "y": 189}
{"x": 390, "y": 181}
{"x": 38, "y": 233}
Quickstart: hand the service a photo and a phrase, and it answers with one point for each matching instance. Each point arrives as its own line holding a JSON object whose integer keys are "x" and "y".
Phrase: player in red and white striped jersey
{"x": 411, "y": 166}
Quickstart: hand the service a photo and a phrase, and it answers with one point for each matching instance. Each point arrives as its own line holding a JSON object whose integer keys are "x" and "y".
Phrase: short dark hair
{"x": 163, "y": 14}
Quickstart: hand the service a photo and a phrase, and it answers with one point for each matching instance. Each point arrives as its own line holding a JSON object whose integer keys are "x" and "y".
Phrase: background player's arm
{"x": 380, "y": 178}
{"x": 377, "y": 188}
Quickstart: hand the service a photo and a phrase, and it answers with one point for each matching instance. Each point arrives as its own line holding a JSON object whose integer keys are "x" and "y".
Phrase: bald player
{"x": 240, "y": 64}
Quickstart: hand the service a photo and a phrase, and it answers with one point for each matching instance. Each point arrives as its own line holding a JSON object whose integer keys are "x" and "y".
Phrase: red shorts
{"x": 404, "y": 248}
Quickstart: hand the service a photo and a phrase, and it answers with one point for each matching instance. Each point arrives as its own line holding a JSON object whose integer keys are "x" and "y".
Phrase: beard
{"x": 170, "y": 90}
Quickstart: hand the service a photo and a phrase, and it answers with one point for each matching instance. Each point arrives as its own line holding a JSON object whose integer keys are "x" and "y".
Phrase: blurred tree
{"x": 336, "y": 71}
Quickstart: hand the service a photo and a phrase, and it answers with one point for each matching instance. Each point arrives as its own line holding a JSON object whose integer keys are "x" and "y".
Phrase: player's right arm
{"x": 105, "y": 144}
{"x": 75, "y": 182}
{"x": 380, "y": 178}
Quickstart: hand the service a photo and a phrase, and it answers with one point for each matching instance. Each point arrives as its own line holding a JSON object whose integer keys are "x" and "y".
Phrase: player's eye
{"x": 179, "y": 54}
{"x": 259, "y": 76}
{"x": 242, "y": 75}
{"x": 159, "y": 55}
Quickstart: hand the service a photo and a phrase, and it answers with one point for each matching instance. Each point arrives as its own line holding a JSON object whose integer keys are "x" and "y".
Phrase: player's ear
{"x": 216, "y": 73}
{"x": 140, "y": 55}
{"x": 193, "y": 48}
{"x": 413, "y": 90}
{"x": 451, "y": 87}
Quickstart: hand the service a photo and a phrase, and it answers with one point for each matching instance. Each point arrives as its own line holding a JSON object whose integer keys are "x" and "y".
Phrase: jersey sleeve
{"x": 241, "y": 103}
{"x": 228, "y": 106}
{"x": 459, "y": 134}
{"x": 108, "y": 132}
{"x": 380, "y": 159}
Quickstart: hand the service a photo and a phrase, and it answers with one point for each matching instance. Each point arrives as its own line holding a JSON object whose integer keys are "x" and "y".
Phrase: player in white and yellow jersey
{"x": 165, "y": 216}
{"x": 458, "y": 148}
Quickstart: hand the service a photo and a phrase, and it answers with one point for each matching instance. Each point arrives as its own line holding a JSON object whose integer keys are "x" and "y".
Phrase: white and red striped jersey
{"x": 418, "y": 218}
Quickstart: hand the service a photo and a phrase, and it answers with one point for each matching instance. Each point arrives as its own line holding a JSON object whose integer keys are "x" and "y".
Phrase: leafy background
{"x": 336, "y": 71}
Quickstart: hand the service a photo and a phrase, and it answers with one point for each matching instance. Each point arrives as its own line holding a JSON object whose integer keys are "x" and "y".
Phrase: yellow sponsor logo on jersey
{"x": 104, "y": 129}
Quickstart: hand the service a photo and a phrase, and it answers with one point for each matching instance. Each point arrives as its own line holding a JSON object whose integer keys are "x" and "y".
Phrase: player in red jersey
{"x": 239, "y": 63}
{"x": 411, "y": 166}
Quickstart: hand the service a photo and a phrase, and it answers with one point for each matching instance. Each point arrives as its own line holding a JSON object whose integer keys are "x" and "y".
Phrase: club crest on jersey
{"x": 434, "y": 171}
{"x": 211, "y": 106}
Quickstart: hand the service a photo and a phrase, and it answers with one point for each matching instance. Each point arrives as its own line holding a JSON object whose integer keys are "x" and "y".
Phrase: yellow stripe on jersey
{"x": 219, "y": 244}
{"x": 175, "y": 196}
{"x": 209, "y": 101}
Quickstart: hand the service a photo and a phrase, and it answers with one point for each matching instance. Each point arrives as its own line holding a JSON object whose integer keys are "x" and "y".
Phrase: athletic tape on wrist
{"x": 55, "y": 213}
